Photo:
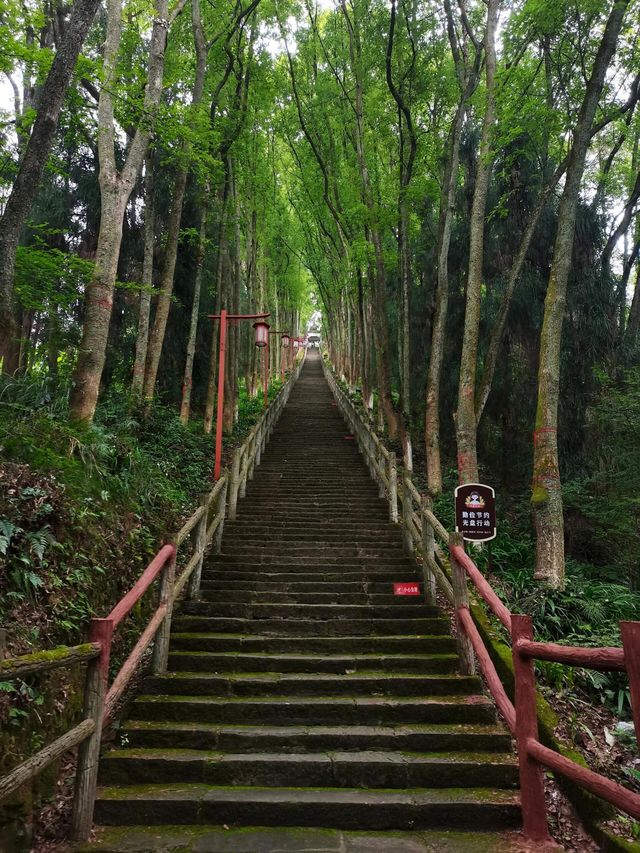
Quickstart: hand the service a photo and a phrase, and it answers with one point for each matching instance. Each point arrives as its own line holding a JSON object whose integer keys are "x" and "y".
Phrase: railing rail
{"x": 203, "y": 529}
{"x": 414, "y": 511}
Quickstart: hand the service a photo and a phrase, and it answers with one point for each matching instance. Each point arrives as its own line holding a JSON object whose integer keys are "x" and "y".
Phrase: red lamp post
{"x": 224, "y": 318}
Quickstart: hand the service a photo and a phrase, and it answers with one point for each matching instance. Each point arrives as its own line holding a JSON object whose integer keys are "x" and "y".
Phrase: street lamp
{"x": 224, "y": 318}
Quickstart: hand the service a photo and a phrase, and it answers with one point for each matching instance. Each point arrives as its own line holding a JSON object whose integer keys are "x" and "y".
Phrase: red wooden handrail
{"x": 607, "y": 659}
{"x": 484, "y": 588}
{"x": 129, "y": 601}
{"x": 522, "y": 718}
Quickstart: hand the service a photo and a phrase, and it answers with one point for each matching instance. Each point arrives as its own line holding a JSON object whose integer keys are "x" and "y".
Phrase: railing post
{"x": 95, "y": 691}
{"x": 631, "y": 642}
{"x": 200, "y": 543}
{"x": 461, "y": 599}
{"x": 534, "y": 818}
{"x": 220, "y": 509}
{"x": 429, "y": 546}
{"x": 160, "y": 656}
{"x": 407, "y": 512}
{"x": 234, "y": 484}
{"x": 392, "y": 474}
{"x": 382, "y": 463}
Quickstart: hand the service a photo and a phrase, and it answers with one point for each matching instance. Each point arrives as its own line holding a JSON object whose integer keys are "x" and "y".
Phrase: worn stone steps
{"x": 325, "y": 612}
{"x": 344, "y": 809}
{"x": 255, "y": 684}
{"x": 202, "y": 661}
{"x": 313, "y": 627}
{"x": 291, "y": 738}
{"x": 375, "y": 769}
{"x": 392, "y": 644}
{"x": 225, "y": 839}
{"x": 305, "y": 702}
{"x": 316, "y": 710}
{"x": 291, "y": 597}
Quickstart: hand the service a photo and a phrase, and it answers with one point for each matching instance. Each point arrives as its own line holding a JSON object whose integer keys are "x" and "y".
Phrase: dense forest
{"x": 452, "y": 188}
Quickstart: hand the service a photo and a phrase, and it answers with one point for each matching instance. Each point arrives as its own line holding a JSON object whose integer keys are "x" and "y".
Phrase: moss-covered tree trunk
{"x": 546, "y": 494}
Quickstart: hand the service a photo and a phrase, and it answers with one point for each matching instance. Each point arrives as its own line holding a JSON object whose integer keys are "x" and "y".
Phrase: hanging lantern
{"x": 262, "y": 333}
{"x": 285, "y": 340}
{"x": 296, "y": 344}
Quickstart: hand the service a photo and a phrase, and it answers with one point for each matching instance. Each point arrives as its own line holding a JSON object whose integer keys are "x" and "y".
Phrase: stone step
{"x": 482, "y": 809}
{"x": 253, "y": 538}
{"x": 243, "y": 738}
{"x": 276, "y": 684}
{"x": 275, "y": 573}
{"x": 225, "y": 839}
{"x": 311, "y": 627}
{"x": 323, "y": 562}
{"x": 329, "y": 710}
{"x": 326, "y": 551}
{"x": 371, "y": 589}
{"x": 374, "y": 645}
{"x": 260, "y": 597}
{"x": 399, "y": 609}
{"x": 200, "y": 661}
{"x": 376, "y": 769}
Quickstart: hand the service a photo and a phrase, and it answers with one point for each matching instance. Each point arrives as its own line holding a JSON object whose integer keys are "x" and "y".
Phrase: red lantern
{"x": 285, "y": 340}
{"x": 296, "y": 343}
{"x": 262, "y": 333}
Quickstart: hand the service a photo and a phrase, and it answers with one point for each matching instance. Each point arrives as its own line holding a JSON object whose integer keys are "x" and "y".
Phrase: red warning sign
{"x": 406, "y": 589}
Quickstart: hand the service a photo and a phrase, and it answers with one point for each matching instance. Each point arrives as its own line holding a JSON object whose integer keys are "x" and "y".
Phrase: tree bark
{"x": 187, "y": 380}
{"x": 466, "y": 414}
{"x": 142, "y": 338}
{"x": 115, "y": 189}
{"x": 546, "y": 495}
{"x": 27, "y": 182}
{"x": 467, "y": 80}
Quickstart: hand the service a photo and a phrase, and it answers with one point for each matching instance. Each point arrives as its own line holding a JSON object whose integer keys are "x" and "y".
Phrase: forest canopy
{"x": 452, "y": 187}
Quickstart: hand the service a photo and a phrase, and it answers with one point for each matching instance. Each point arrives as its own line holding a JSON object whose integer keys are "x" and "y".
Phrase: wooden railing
{"x": 421, "y": 529}
{"x": 202, "y": 529}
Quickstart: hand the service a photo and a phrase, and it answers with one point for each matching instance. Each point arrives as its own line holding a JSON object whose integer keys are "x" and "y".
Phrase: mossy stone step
{"x": 316, "y": 710}
{"x": 291, "y": 738}
{"x": 313, "y": 627}
{"x": 202, "y": 661}
{"x": 276, "y": 684}
{"x": 375, "y": 769}
{"x": 225, "y": 839}
{"x": 261, "y": 597}
{"x": 372, "y": 644}
{"x": 282, "y": 610}
{"x": 482, "y": 809}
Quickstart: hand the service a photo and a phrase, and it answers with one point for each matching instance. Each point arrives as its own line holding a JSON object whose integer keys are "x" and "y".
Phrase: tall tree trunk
{"x": 173, "y": 231}
{"x": 29, "y": 175}
{"x": 215, "y": 334}
{"x": 142, "y": 337}
{"x": 546, "y": 495}
{"x": 187, "y": 380}
{"x": 378, "y": 278}
{"x": 165, "y": 290}
{"x": 115, "y": 189}
{"x": 466, "y": 413}
{"x": 468, "y": 80}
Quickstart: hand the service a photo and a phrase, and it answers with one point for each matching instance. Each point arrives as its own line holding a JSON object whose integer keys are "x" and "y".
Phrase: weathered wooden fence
{"x": 202, "y": 530}
{"x": 422, "y": 530}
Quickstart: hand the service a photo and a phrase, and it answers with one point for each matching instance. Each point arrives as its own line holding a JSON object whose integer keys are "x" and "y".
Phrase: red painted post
{"x": 266, "y": 374}
{"x": 631, "y": 642}
{"x": 84, "y": 795}
{"x": 534, "y": 817}
{"x": 221, "y": 368}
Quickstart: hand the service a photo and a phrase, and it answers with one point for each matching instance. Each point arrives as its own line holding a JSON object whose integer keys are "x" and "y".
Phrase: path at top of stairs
{"x": 306, "y": 707}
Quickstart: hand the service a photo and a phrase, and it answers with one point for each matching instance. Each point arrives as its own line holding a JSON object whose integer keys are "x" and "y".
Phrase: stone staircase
{"x": 306, "y": 708}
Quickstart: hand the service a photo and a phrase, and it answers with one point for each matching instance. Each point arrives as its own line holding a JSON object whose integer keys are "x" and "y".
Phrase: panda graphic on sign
{"x": 476, "y": 512}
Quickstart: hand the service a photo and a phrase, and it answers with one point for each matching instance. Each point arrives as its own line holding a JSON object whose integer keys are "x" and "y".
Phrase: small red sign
{"x": 406, "y": 589}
